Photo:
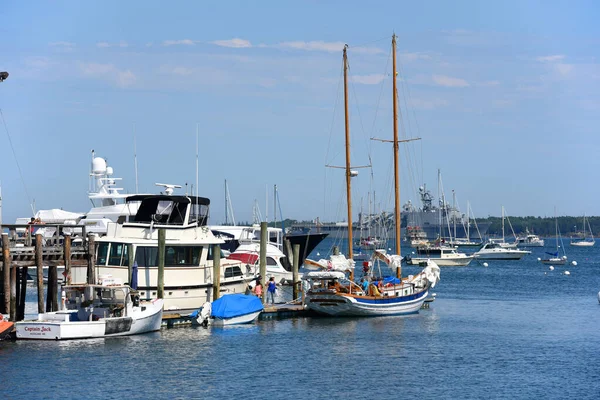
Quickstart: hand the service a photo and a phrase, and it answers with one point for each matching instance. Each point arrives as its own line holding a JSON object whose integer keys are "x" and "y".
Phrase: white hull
{"x": 583, "y": 244}
{"x": 241, "y": 319}
{"x": 511, "y": 255}
{"x": 57, "y": 325}
{"x": 365, "y": 306}
{"x": 554, "y": 261}
{"x": 444, "y": 262}
{"x": 532, "y": 244}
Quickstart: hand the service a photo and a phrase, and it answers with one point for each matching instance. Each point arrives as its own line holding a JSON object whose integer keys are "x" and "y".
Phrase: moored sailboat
{"x": 332, "y": 294}
{"x": 586, "y": 242}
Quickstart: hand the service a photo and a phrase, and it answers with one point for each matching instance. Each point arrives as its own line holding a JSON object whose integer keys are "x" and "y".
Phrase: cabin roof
{"x": 178, "y": 199}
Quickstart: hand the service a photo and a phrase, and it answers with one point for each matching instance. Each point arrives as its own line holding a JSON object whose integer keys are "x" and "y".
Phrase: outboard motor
{"x": 204, "y": 315}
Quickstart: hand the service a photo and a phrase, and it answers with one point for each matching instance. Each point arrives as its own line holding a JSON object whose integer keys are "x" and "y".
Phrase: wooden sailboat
{"x": 332, "y": 294}
{"x": 586, "y": 242}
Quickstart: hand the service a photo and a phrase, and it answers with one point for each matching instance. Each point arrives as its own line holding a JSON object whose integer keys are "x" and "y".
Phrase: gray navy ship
{"x": 428, "y": 222}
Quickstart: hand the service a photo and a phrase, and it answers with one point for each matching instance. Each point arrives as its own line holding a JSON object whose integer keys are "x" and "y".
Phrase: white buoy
{"x": 551, "y": 268}
{"x": 539, "y": 259}
{"x": 564, "y": 257}
{"x": 318, "y": 253}
{"x": 389, "y": 249}
{"x": 413, "y": 252}
{"x": 574, "y": 263}
{"x": 567, "y": 273}
{"x": 485, "y": 264}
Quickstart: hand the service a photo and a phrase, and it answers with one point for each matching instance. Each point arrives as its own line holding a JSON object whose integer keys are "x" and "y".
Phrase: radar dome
{"x": 98, "y": 165}
{"x": 109, "y": 171}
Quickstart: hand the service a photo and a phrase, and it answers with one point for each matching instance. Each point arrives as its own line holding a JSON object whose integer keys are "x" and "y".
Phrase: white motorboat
{"x": 442, "y": 255}
{"x": 248, "y": 253}
{"x": 494, "y": 251}
{"x": 188, "y": 272}
{"x": 529, "y": 240}
{"x": 232, "y": 309}
{"x": 94, "y": 311}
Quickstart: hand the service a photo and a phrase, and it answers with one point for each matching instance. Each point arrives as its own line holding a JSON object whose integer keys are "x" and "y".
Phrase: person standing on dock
{"x": 258, "y": 289}
{"x": 271, "y": 289}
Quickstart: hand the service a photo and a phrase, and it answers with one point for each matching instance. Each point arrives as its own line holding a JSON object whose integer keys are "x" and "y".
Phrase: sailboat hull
{"x": 583, "y": 244}
{"x": 345, "y": 305}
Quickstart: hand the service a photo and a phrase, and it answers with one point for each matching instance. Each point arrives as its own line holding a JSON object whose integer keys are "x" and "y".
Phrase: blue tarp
{"x": 392, "y": 280}
{"x": 234, "y": 305}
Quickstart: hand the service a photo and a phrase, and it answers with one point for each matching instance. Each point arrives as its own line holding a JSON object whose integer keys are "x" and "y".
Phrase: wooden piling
{"x": 22, "y": 295}
{"x": 295, "y": 267}
{"x": 263, "y": 257}
{"x": 6, "y": 273}
{"x": 91, "y": 258}
{"x": 52, "y": 289}
{"x": 216, "y": 272}
{"x": 67, "y": 257}
{"x": 13, "y": 292}
{"x": 39, "y": 272}
{"x": 130, "y": 261}
{"x": 160, "y": 292}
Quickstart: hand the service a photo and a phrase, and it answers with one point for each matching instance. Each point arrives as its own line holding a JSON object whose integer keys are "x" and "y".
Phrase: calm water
{"x": 511, "y": 330}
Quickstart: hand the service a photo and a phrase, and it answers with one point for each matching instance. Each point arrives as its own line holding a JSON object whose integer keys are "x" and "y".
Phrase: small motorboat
{"x": 231, "y": 309}
{"x": 6, "y": 327}
{"x": 93, "y": 311}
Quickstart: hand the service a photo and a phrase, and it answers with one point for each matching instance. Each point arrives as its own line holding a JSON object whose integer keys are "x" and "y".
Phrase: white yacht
{"x": 188, "y": 273}
{"x": 530, "y": 240}
{"x": 443, "y": 256}
{"x": 495, "y": 251}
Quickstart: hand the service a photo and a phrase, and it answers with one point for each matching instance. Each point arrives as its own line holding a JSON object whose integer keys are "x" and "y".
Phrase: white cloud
{"x": 106, "y": 44}
{"x": 186, "y": 42}
{"x": 448, "y": 81}
{"x": 62, "y": 44}
{"x": 372, "y": 79}
{"x": 553, "y": 58}
{"x": 234, "y": 43}
{"x": 330, "y": 47}
{"x": 182, "y": 71}
{"x": 428, "y": 104}
{"x": 563, "y": 69}
{"x": 489, "y": 83}
{"x": 108, "y": 72}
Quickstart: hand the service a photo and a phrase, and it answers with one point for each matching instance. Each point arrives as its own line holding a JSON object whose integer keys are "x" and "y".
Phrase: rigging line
{"x": 381, "y": 91}
{"x": 17, "y": 161}
{"x": 359, "y": 114}
{"x": 337, "y": 98}
{"x": 405, "y": 82}
{"x": 371, "y": 42}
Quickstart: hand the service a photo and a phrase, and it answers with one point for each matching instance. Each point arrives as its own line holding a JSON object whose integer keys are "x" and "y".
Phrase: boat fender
{"x": 136, "y": 300}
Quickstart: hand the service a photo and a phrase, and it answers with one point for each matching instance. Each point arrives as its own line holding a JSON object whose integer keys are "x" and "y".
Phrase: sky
{"x": 505, "y": 97}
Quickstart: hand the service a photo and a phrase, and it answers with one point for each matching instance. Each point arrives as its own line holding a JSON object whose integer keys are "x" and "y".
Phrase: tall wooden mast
{"x": 348, "y": 175}
{"x": 396, "y": 164}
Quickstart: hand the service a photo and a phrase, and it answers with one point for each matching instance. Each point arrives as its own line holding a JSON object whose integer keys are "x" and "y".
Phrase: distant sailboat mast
{"x": 348, "y": 174}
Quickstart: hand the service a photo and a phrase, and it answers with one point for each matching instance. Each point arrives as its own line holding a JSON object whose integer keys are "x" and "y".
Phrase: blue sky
{"x": 505, "y": 96}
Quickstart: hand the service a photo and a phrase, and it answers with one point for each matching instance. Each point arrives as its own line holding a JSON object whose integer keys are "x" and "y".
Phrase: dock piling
{"x": 130, "y": 261}
{"x": 6, "y": 274}
{"x": 67, "y": 257}
{"x": 295, "y": 268}
{"x": 13, "y": 291}
{"x": 22, "y": 289}
{"x": 160, "y": 293}
{"x": 216, "y": 272}
{"x": 263, "y": 257}
{"x": 91, "y": 259}
{"x": 39, "y": 271}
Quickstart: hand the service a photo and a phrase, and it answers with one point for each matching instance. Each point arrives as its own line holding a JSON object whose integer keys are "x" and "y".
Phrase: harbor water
{"x": 513, "y": 329}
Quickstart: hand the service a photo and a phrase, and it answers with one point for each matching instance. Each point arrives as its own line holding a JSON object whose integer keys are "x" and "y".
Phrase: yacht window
{"x": 271, "y": 261}
{"x": 115, "y": 253}
{"x": 146, "y": 256}
{"x": 230, "y": 272}
{"x": 182, "y": 255}
{"x": 102, "y": 253}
